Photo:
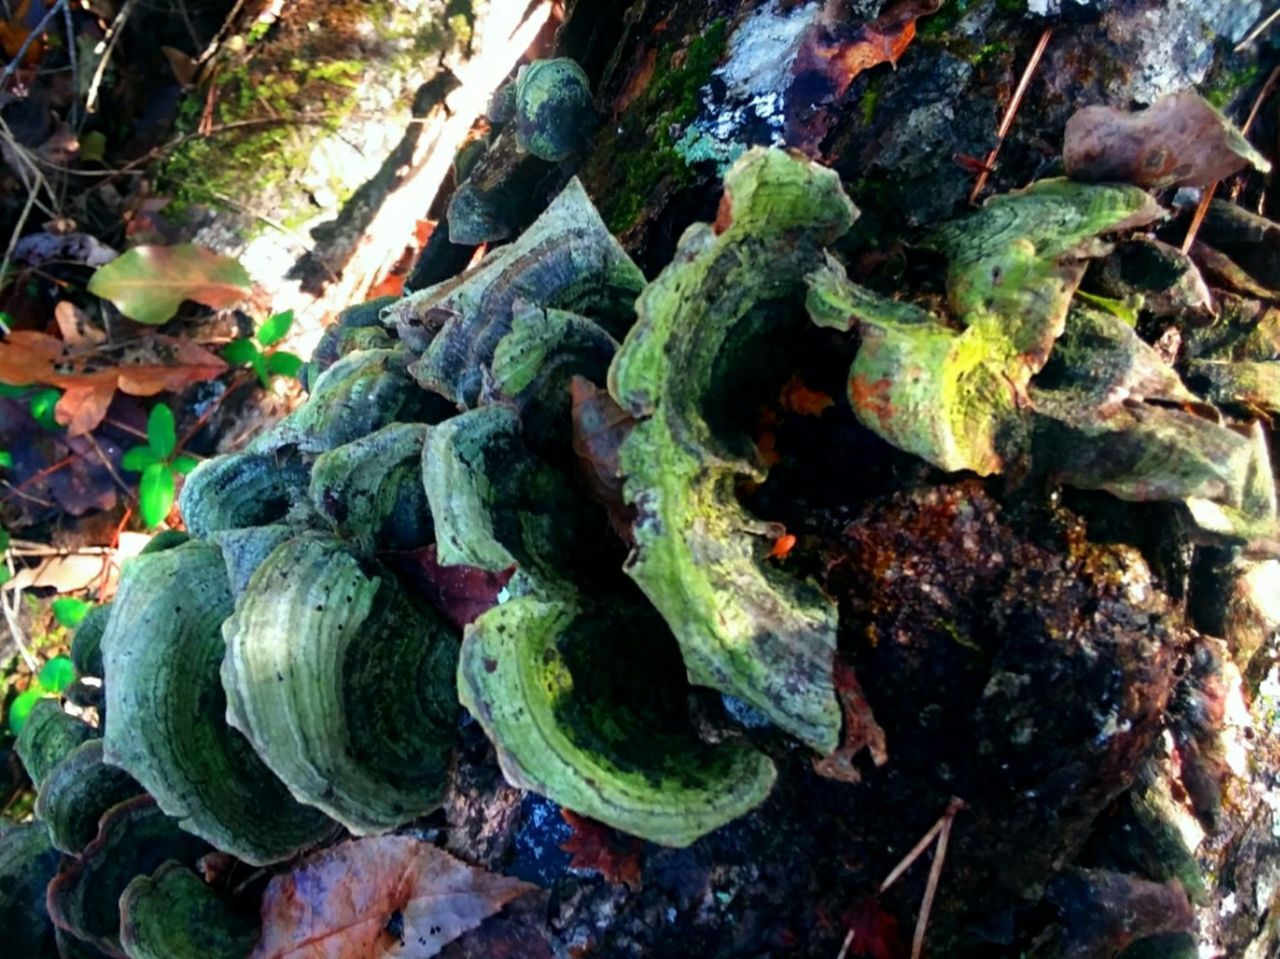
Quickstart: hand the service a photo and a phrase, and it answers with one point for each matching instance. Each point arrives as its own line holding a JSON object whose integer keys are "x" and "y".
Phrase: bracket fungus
{"x": 165, "y": 724}
{"x": 77, "y": 791}
{"x": 554, "y": 689}
{"x": 343, "y": 683}
{"x": 553, "y": 111}
{"x": 496, "y": 506}
{"x": 1033, "y": 374}
{"x": 28, "y": 861}
{"x": 173, "y": 914}
{"x": 567, "y": 259}
{"x": 47, "y": 737}
{"x": 370, "y": 489}
{"x": 759, "y": 634}
{"x": 240, "y": 490}
{"x": 134, "y": 838}
{"x": 954, "y": 397}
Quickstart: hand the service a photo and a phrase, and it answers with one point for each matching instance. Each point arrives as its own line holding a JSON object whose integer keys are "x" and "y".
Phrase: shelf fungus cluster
{"x": 278, "y": 676}
{"x": 1025, "y": 373}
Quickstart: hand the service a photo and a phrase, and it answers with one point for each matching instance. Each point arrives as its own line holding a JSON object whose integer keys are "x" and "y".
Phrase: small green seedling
{"x": 160, "y": 464}
{"x": 55, "y": 676}
{"x": 70, "y": 611}
{"x": 264, "y": 356}
{"x": 40, "y": 400}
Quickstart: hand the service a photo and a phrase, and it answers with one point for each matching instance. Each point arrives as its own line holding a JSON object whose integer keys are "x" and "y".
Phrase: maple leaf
{"x": 375, "y": 897}
{"x": 141, "y": 367}
{"x": 595, "y": 846}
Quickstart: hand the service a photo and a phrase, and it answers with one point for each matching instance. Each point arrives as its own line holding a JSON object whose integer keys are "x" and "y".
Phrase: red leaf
{"x": 380, "y": 896}
{"x": 875, "y": 933}
{"x": 459, "y": 593}
{"x": 595, "y": 846}
{"x": 797, "y": 398}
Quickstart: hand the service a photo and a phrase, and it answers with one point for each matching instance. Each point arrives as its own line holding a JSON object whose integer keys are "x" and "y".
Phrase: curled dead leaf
{"x": 1179, "y": 140}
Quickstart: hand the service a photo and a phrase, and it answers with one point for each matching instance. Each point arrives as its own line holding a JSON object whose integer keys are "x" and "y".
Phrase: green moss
{"x": 641, "y": 150}
{"x": 990, "y": 52}
{"x": 1224, "y": 84}
{"x": 939, "y": 25}
{"x": 224, "y": 166}
{"x": 870, "y": 100}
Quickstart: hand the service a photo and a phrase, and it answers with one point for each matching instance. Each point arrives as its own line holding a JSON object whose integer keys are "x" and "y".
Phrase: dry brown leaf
{"x": 141, "y": 367}
{"x": 76, "y": 326}
{"x": 1179, "y": 140}
{"x": 383, "y": 896}
{"x": 861, "y": 731}
{"x": 833, "y": 52}
{"x": 78, "y": 571}
{"x": 599, "y": 427}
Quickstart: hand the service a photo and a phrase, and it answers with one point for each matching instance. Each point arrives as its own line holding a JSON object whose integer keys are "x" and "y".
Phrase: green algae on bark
{"x": 343, "y": 684}
{"x": 756, "y": 633}
{"x": 166, "y": 710}
{"x": 576, "y": 735}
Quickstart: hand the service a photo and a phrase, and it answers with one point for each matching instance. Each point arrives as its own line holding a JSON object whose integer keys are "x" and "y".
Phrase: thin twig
{"x": 235, "y": 384}
{"x": 27, "y": 550}
{"x": 106, "y": 461}
{"x": 34, "y": 477}
{"x": 115, "y": 545}
{"x": 1262, "y": 95}
{"x": 941, "y": 828}
{"x": 1198, "y": 217}
{"x": 1010, "y": 112}
{"x": 227, "y": 23}
{"x": 113, "y": 35}
{"x": 12, "y": 66}
{"x": 916, "y": 851}
{"x": 73, "y": 58}
{"x": 15, "y": 630}
{"x": 1257, "y": 31}
{"x": 935, "y": 873}
{"x": 1203, "y": 207}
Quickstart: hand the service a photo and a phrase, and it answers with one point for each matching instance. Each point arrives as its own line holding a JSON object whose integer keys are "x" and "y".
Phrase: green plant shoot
{"x": 265, "y": 356}
{"x": 160, "y": 464}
